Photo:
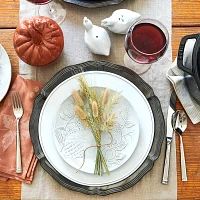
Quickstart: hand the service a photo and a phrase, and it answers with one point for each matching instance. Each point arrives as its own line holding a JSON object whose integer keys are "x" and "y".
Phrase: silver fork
{"x": 18, "y": 112}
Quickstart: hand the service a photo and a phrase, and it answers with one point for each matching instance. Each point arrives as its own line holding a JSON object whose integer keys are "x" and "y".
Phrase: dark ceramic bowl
{"x": 192, "y": 87}
{"x": 192, "y": 68}
{"x": 94, "y": 3}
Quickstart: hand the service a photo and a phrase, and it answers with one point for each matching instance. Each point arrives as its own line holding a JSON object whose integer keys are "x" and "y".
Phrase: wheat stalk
{"x": 77, "y": 98}
{"x": 95, "y": 109}
{"x": 79, "y": 112}
{"x": 95, "y": 113}
{"x": 106, "y": 97}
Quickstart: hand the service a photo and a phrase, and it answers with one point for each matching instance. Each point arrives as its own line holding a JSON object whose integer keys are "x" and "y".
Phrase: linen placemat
{"x": 75, "y": 51}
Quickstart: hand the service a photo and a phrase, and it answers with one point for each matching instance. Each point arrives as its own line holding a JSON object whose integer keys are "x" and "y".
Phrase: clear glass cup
{"x": 146, "y": 42}
{"x": 54, "y": 9}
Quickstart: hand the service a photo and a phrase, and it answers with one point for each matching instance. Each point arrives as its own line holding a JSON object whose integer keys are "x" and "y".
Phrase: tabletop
{"x": 185, "y": 20}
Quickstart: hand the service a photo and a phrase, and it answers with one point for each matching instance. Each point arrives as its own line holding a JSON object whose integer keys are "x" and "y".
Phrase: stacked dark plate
{"x": 93, "y": 3}
{"x": 67, "y": 176}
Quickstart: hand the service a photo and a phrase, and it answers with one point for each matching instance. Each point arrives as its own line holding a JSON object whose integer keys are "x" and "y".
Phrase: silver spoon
{"x": 174, "y": 118}
{"x": 180, "y": 126}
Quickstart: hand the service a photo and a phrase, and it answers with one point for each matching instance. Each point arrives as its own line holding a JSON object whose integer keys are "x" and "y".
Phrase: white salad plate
{"x": 5, "y": 72}
{"x": 73, "y": 140}
{"x": 141, "y": 113}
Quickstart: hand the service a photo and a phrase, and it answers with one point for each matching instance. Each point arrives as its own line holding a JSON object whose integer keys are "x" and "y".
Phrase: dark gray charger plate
{"x": 94, "y": 3}
{"x": 159, "y": 125}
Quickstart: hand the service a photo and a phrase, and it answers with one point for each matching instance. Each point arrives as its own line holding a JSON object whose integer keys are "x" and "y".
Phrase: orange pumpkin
{"x": 38, "y": 41}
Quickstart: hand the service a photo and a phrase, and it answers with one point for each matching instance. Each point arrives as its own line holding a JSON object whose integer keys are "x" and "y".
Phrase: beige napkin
{"x": 176, "y": 76}
{"x": 28, "y": 89}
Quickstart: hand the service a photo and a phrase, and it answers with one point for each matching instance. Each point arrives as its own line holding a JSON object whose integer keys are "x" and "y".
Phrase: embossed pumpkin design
{"x": 38, "y": 41}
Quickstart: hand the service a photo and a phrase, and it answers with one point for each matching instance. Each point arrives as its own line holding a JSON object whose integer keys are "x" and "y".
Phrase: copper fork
{"x": 18, "y": 112}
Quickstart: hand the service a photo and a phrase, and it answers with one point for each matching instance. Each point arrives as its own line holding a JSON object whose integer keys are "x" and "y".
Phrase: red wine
{"x": 146, "y": 43}
{"x": 39, "y": 2}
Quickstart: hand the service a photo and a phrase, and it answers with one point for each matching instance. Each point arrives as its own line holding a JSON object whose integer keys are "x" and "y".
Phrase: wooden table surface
{"x": 185, "y": 20}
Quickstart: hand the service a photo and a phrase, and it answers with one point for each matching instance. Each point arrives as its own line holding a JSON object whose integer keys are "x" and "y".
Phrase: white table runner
{"x": 75, "y": 51}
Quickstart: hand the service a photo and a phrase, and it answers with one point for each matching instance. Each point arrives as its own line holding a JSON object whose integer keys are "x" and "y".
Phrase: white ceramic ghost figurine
{"x": 120, "y": 20}
{"x": 96, "y": 38}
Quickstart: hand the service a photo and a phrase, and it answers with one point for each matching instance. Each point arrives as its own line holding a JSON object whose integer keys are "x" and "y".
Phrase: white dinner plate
{"x": 5, "y": 72}
{"x": 140, "y": 106}
{"x": 72, "y": 138}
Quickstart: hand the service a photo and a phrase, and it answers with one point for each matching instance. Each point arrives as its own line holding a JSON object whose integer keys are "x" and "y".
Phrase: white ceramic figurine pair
{"x": 97, "y": 38}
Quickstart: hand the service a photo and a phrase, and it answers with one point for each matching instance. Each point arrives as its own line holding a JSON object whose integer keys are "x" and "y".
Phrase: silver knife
{"x": 170, "y": 131}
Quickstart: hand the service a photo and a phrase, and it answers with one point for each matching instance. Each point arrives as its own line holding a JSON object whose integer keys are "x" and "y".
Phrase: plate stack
{"x": 58, "y": 137}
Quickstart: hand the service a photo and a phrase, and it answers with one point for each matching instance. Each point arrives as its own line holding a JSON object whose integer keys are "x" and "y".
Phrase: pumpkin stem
{"x": 36, "y": 35}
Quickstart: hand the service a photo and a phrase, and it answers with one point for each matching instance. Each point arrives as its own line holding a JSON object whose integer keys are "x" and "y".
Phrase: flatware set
{"x": 176, "y": 122}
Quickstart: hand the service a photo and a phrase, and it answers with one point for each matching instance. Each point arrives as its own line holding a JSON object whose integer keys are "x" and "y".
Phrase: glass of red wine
{"x": 146, "y": 42}
{"x": 54, "y": 9}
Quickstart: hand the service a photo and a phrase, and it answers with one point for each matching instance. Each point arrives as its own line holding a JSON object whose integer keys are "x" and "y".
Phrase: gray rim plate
{"x": 154, "y": 103}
